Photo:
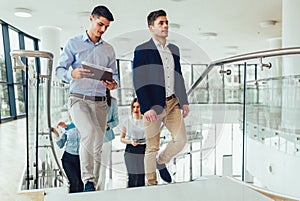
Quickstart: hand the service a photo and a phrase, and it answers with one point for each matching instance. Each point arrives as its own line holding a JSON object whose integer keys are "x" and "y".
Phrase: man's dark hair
{"x": 102, "y": 11}
{"x": 154, "y": 15}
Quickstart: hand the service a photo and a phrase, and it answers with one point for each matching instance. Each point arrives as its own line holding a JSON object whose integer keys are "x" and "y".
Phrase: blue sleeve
{"x": 63, "y": 70}
{"x": 114, "y": 121}
{"x": 113, "y": 66}
{"x": 62, "y": 140}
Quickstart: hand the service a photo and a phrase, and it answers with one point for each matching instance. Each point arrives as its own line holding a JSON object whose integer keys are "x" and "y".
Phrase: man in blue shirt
{"x": 87, "y": 102}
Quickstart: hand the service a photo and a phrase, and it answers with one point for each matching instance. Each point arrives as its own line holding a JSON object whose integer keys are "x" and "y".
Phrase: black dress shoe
{"x": 164, "y": 173}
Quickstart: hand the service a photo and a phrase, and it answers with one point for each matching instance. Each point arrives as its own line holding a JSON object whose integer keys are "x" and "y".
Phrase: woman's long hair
{"x": 133, "y": 101}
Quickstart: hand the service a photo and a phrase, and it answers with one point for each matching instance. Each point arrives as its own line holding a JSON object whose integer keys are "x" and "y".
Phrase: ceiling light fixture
{"x": 84, "y": 14}
{"x": 174, "y": 26}
{"x": 23, "y": 12}
{"x": 268, "y": 23}
{"x": 122, "y": 39}
{"x": 231, "y": 49}
{"x": 208, "y": 35}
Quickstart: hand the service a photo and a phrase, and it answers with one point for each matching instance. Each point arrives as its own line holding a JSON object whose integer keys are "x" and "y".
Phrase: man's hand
{"x": 80, "y": 72}
{"x": 151, "y": 115}
{"x": 110, "y": 85}
{"x": 186, "y": 110}
{"x": 134, "y": 143}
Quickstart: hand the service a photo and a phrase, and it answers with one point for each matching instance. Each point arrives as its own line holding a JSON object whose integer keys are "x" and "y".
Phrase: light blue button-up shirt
{"x": 81, "y": 48}
{"x": 70, "y": 138}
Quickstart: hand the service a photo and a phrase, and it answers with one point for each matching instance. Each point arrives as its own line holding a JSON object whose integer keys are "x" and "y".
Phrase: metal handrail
{"x": 32, "y": 53}
{"x": 19, "y": 65}
{"x": 243, "y": 57}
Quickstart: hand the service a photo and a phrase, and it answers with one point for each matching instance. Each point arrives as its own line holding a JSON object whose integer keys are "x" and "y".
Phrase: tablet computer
{"x": 100, "y": 72}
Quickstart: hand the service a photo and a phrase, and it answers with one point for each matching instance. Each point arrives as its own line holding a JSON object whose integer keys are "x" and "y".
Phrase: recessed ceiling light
{"x": 174, "y": 25}
{"x": 84, "y": 14}
{"x": 268, "y": 23}
{"x": 122, "y": 39}
{"x": 171, "y": 41}
{"x": 185, "y": 50}
{"x": 208, "y": 35}
{"x": 23, "y": 12}
{"x": 232, "y": 49}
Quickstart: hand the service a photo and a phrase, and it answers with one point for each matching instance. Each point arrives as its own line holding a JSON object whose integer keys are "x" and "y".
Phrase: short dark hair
{"x": 154, "y": 15}
{"x": 102, "y": 11}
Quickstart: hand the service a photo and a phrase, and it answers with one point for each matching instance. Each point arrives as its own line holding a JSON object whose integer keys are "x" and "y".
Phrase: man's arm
{"x": 66, "y": 59}
{"x": 115, "y": 82}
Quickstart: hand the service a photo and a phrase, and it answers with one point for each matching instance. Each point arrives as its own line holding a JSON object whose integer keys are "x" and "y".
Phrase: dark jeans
{"x": 134, "y": 161}
{"x": 71, "y": 165}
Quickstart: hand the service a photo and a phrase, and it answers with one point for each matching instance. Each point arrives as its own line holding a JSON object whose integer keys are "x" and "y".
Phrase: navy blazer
{"x": 149, "y": 79}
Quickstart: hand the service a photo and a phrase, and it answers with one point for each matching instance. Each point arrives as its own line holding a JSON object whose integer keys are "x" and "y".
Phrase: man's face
{"x": 99, "y": 25}
{"x": 160, "y": 27}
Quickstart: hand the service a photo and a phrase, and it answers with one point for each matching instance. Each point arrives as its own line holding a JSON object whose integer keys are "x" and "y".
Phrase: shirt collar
{"x": 85, "y": 37}
{"x": 158, "y": 44}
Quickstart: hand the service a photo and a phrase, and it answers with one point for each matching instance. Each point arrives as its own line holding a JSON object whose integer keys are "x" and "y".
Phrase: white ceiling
{"x": 235, "y": 21}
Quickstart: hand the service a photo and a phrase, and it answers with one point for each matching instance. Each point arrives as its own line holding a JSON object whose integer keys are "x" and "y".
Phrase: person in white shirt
{"x": 134, "y": 137}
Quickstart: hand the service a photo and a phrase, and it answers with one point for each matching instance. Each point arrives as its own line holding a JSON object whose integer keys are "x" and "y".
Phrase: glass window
{"x": 198, "y": 69}
{"x": 19, "y": 96}
{"x": 126, "y": 92}
{"x": 14, "y": 45}
{"x": 186, "y": 73}
{"x": 4, "y": 102}
{"x": 125, "y": 74}
{"x": 2, "y": 61}
{"x": 29, "y": 45}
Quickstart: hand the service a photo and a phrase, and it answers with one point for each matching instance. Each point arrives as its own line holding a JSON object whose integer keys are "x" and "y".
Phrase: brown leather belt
{"x": 170, "y": 97}
{"x": 92, "y": 98}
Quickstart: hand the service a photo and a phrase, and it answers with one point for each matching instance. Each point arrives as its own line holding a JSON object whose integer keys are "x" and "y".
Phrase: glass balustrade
{"x": 267, "y": 113}
{"x": 246, "y": 114}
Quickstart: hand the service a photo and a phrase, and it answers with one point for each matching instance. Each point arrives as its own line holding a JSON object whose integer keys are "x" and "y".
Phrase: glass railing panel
{"x": 269, "y": 127}
{"x": 272, "y": 129}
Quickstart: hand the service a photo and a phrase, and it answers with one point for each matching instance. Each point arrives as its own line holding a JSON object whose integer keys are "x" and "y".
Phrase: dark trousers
{"x": 71, "y": 165}
{"x": 134, "y": 161}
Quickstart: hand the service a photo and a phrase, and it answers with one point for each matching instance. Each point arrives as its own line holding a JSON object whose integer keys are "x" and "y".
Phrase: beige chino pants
{"x": 90, "y": 119}
{"x": 173, "y": 120}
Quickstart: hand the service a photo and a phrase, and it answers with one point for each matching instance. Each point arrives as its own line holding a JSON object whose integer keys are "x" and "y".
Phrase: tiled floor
{"x": 12, "y": 158}
{"x": 13, "y": 161}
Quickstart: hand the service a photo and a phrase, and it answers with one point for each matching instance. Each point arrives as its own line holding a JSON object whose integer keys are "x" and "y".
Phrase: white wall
{"x": 278, "y": 171}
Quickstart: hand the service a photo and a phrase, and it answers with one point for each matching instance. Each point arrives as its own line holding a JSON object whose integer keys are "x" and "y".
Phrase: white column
{"x": 50, "y": 41}
{"x": 276, "y": 70}
{"x": 290, "y": 87}
{"x": 290, "y": 34}
{"x": 274, "y": 92}
{"x": 227, "y": 166}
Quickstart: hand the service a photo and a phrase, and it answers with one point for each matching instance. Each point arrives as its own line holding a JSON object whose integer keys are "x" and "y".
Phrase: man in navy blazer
{"x": 160, "y": 89}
